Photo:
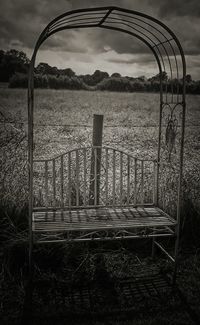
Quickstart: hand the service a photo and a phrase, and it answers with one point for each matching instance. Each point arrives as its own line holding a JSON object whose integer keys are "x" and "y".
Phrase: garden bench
{"x": 117, "y": 201}
{"x": 103, "y": 193}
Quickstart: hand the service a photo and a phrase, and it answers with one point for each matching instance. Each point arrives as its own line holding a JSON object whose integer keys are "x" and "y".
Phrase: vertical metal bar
{"x": 77, "y": 178}
{"x": 142, "y": 181}
{"x": 172, "y": 91}
{"x": 166, "y": 91}
{"x": 95, "y": 176}
{"x": 154, "y": 183}
{"x": 153, "y": 247}
{"x": 177, "y": 230}
{"x": 69, "y": 179}
{"x": 159, "y": 130}
{"x": 177, "y": 73}
{"x": 54, "y": 183}
{"x": 159, "y": 148}
{"x": 114, "y": 176}
{"x": 106, "y": 185}
{"x": 84, "y": 176}
{"x": 181, "y": 164}
{"x": 61, "y": 182}
{"x": 46, "y": 186}
{"x": 121, "y": 176}
{"x": 155, "y": 191}
{"x": 128, "y": 179}
{"x": 135, "y": 183}
{"x": 30, "y": 157}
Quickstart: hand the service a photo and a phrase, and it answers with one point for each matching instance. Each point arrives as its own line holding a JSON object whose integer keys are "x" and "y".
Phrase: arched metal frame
{"x": 168, "y": 54}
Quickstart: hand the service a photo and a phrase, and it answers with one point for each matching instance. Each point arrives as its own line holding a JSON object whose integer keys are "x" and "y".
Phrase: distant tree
{"x": 45, "y": 68}
{"x": 95, "y": 78}
{"x": 18, "y": 80}
{"x": 2, "y": 53}
{"x": 20, "y": 56}
{"x": 164, "y": 77}
{"x": 116, "y": 75}
{"x": 67, "y": 72}
{"x": 14, "y": 66}
{"x": 142, "y": 78}
{"x": 87, "y": 79}
{"x": 188, "y": 78}
{"x": 115, "y": 84}
{"x": 98, "y": 76}
{"x": 137, "y": 85}
{"x": 11, "y": 62}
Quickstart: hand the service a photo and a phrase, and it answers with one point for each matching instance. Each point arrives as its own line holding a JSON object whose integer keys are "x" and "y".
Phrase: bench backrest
{"x": 93, "y": 176}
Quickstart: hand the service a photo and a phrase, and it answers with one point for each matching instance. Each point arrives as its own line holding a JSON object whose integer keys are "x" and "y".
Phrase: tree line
{"x": 14, "y": 70}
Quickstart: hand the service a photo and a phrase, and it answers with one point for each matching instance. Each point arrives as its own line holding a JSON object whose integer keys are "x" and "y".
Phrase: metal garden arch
{"x": 58, "y": 221}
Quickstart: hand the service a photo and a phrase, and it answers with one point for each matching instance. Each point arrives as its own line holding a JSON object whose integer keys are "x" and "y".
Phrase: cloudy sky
{"x": 21, "y": 22}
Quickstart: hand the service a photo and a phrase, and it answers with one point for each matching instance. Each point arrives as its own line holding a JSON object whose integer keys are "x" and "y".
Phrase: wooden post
{"x": 96, "y": 159}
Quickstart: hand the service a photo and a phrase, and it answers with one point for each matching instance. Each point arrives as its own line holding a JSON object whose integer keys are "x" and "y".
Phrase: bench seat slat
{"x": 101, "y": 218}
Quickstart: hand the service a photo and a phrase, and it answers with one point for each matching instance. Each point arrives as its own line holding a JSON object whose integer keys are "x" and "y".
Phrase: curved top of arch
{"x": 163, "y": 43}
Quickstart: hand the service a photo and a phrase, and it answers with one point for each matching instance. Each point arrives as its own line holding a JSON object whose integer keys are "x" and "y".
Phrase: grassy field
{"x": 63, "y": 120}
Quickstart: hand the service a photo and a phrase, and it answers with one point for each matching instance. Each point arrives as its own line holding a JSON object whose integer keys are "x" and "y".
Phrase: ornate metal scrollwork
{"x": 170, "y": 135}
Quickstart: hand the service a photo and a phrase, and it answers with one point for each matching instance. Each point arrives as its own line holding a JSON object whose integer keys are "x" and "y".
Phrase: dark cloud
{"x": 22, "y": 21}
{"x": 143, "y": 59}
{"x": 178, "y": 8}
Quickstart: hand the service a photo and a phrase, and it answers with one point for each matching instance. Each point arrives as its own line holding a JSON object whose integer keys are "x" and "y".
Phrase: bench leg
{"x": 153, "y": 248}
{"x": 175, "y": 261}
{"x": 27, "y": 308}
